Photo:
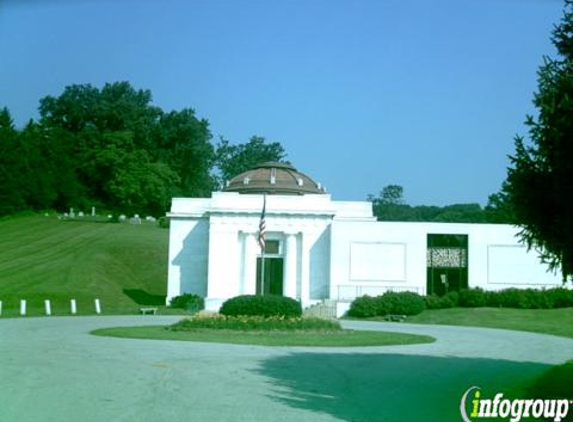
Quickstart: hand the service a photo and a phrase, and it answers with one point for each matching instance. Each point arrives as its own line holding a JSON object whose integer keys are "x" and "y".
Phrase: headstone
{"x": 23, "y": 307}
{"x": 80, "y": 214}
{"x": 135, "y": 219}
{"x": 48, "y": 307}
{"x": 93, "y": 211}
{"x": 97, "y": 307}
{"x": 72, "y": 215}
{"x": 0, "y": 308}
{"x": 150, "y": 219}
{"x": 73, "y": 308}
{"x": 122, "y": 217}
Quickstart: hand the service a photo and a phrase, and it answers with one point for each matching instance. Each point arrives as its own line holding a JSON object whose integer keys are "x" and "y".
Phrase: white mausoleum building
{"x": 320, "y": 249}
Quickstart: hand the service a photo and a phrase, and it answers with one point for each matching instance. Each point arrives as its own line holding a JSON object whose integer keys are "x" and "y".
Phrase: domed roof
{"x": 274, "y": 178}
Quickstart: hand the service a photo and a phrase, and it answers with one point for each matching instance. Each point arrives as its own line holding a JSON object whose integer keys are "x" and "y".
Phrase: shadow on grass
{"x": 390, "y": 387}
{"x": 141, "y": 297}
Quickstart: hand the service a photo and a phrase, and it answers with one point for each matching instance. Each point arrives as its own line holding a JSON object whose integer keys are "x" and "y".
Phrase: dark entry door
{"x": 273, "y": 277}
{"x": 447, "y": 263}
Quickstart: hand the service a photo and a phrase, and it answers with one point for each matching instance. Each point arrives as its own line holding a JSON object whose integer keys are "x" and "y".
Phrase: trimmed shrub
{"x": 400, "y": 303}
{"x": 364, "y": 307}
{"x": 256, "y": 323}
{"x": 265, "y": 306}
{"x": 450, "y": 300}
{"x": 390, "y": 303}
{"x": 472, "y": 298}
{"x": 189, "y": 302}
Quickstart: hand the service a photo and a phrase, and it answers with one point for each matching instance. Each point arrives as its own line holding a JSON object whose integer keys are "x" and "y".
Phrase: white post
{"x": 23, "y": 307}
{"x": 48, "y": 307}
{"x": 93, "y": 211}
{"x": 97, "y": 306}
{"x": 0, "y": 308}
{"x": 73, "y": 306}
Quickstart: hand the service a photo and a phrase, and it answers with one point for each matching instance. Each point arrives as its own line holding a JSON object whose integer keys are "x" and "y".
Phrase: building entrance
{"x": 272, "y": 278}
{"x": 447, "y": 263}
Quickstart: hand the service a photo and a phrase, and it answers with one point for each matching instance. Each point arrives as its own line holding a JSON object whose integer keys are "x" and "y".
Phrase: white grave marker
{"x": 73, "y": 308}
{"x": 48, "y": 307}
{"x": 23, "y": 307}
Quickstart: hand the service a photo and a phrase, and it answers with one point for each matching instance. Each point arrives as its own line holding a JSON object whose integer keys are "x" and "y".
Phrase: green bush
{"x": 189, "y": 302}
{"x": 265, "y": 306}
{"x": 390, "y": 303}
{"x": 364, "y": 307}
{"x": 163, "y": 222}
{"x": 400, "y": 303}
{"x": 256, "y": 323}
{"x": 450, "y": 300}
{"x": 472, "y": 298}
{"x": 560, "y": 297}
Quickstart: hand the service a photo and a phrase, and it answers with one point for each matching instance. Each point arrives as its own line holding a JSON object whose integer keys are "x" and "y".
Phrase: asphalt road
{"x": 52, "y": 369}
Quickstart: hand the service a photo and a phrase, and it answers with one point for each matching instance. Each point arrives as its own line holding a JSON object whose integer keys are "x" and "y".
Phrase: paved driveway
{"x": 51, "y": 369}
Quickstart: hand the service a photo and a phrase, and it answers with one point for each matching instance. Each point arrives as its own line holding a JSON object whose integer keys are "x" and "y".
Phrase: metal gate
{"x": 447, "y": 263}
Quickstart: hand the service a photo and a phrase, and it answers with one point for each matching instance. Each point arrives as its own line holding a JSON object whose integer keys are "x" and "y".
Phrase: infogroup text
{"x": 514, "y": 409}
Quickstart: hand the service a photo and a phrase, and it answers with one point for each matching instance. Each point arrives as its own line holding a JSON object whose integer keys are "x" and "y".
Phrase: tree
{"x": 538, "y": 185}
{"x": 11, "y": 190}
{"x": 232, "y": 160}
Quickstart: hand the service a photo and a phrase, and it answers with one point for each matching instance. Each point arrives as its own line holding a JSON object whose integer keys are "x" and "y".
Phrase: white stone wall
{"x": 370, "y": 258}
{"x": 188, "y": 257}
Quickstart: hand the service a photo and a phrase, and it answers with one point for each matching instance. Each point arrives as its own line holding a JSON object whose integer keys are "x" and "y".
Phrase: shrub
{"x": 189, "y": 302}
{"x": 363, "y": 307}
{"x": 450, "y": 300}
{"x": 163, "y": 222}
{"x": 265, "y": 306}
{"x": 390, "y": 303}
{"x": 472, "y": 298}
{"x": 560, "y": 297}
{"x": 400, "y": 303}
{"x": 256, "y": 323}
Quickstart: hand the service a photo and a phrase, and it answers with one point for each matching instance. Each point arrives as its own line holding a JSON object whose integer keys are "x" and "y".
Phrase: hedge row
{"x": 265, "y": 306}
{"x": 256, "y": 323}
{"x": 407, "y": 303}
{"x": 390, "y": 303}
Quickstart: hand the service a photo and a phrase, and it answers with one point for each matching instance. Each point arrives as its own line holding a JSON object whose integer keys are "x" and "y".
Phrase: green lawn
{"x": 344, "y": 338}
{"x": 123, "y": 265}
{"x": 558, "y": 322}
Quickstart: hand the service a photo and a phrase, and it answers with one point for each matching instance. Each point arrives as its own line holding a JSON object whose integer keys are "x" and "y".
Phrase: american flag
{"x": 262, "y": 225}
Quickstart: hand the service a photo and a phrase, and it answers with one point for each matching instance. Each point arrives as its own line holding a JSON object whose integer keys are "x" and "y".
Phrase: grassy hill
{"x": 41, "y": 258}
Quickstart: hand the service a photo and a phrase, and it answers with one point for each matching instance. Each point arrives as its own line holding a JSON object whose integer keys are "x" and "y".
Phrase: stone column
{"x": 250, "y": 264}
{"x": 305, "y": 271}
{"x": 290, "y": 268}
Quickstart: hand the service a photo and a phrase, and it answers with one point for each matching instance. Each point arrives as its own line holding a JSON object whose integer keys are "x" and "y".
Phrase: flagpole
{"x": 262, "y": 229}
{"x": 263, "y": 271}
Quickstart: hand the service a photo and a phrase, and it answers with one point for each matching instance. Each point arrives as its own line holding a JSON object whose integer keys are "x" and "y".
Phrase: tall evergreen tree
{"x": 539, "y": 185}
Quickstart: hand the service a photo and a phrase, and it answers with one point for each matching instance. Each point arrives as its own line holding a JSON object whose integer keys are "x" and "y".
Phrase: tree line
{"x": 113, "y": 149}
{"x": 390, "y": 205}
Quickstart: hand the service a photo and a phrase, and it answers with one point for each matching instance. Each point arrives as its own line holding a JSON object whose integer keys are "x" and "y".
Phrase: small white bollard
{"x": 48, "y": 307}
{"x": 23, "y": 307}
{"x": 0, "y": 308}
{"x": 73, "y": 308}
{"x": 98, "y": 307}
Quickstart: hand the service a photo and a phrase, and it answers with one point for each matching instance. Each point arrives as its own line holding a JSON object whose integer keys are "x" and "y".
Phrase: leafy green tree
{"x": 122, "y": 152}
{"x": 232, "y": 160}
{"x": 538, "y": 185}
{"x": 184, "y": 143}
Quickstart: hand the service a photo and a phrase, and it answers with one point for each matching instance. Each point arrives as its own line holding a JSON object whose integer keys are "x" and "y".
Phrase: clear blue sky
{"x": 427, "y": 94}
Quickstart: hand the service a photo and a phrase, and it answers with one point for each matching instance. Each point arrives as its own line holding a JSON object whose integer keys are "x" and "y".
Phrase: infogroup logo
{"x": 514, "y": 409}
